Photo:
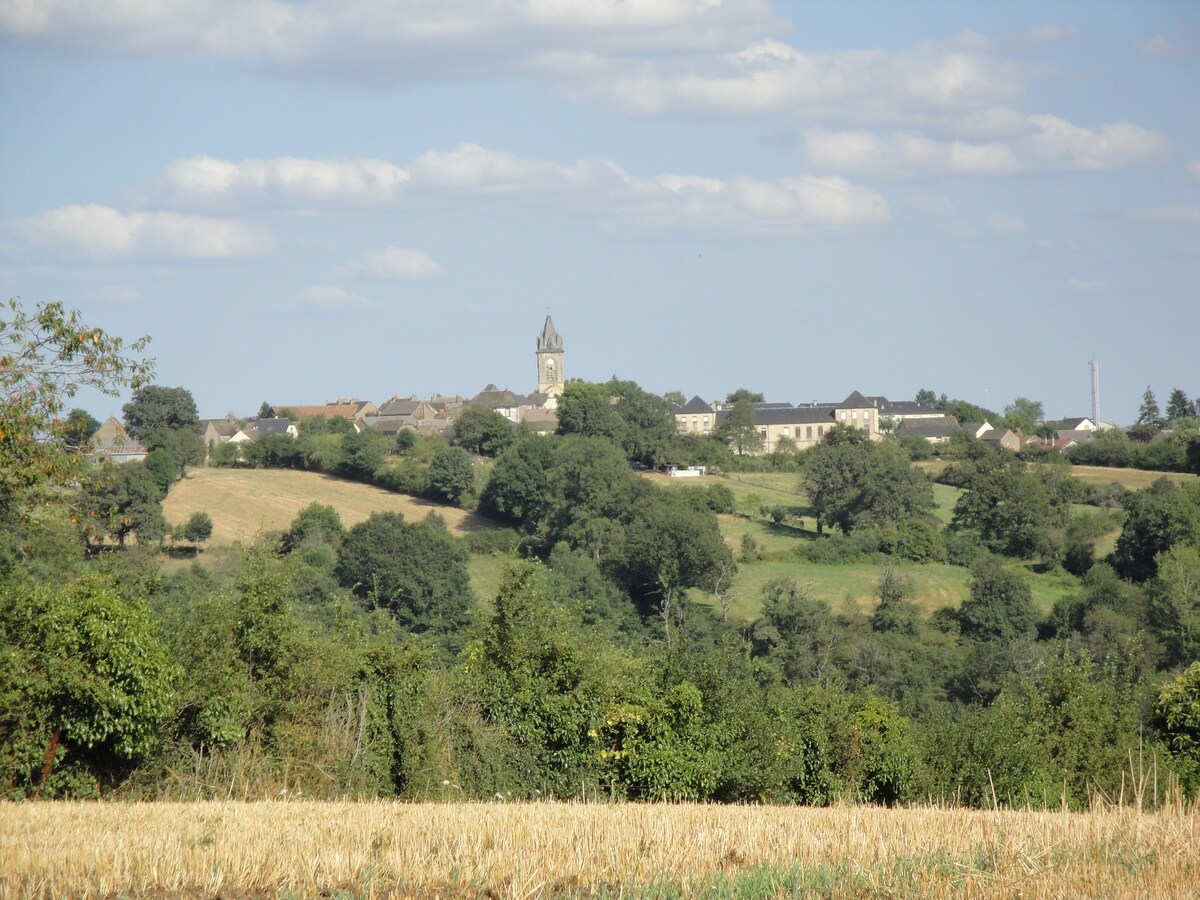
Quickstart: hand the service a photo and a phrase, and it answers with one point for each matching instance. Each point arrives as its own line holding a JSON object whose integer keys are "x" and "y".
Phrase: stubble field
{"x": 380, "y": 849}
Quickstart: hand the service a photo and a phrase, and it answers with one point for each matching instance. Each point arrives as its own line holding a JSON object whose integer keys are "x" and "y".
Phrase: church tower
{"x": 550, "y": 360}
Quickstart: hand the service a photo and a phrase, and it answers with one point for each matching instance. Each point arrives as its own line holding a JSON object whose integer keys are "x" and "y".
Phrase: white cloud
{"x": 1180, "y": 213}
{"x": 366, "y": 180}
{"x": 386, "y": 39}
{"x": 392, "y": 263}
{"x": 101, "y": 232}
{"x": 474, "y": 177}
{"x": 1048, "y": 144}
{"x": 1159, "y": 46}
{"x": 1087, "y": 285}
{"x": 1003, "y": 223}
{"x": 331, "y": 298}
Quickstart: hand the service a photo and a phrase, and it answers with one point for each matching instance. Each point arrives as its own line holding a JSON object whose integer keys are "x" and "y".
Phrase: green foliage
{"x": 316, "y": 524}
{"x": 1175, "y": 602}
{"x": 1149, "y": 415}
{"x": 738, "y": 429}
{"x": 1177, "y": 720}
{"x": 161, "y": 465}
{"x": 415, "y": 571}
{"x": 1023, "y": 415}
{"x": 483, "y": 431}
{"x": 197, "y": 529}
{"x": 588, "y": 410}
{"x": 122, "y": 500}
{"x": 853, "y": 483}
{"x": 649, "y": 434}
{"x": 362, "y": 454}
{"x": 1010, "y": 508}
{"x": 79, "y": 428}
{"x": 518, "y": 491}
{"x": 45, "y": 358}
{"x": 167, "y": 418}
{"x": 452, "y": 475}
{"x": 1000, "y": 607}
{"x": 86, "y": 686}
{"x": 1179, "y": 407}
{"x": 1156, "y": 519}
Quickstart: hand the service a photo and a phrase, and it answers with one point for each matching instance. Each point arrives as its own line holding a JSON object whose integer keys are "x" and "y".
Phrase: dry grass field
{"x": 382, "y": 849}
{"x": 246, "y": 502}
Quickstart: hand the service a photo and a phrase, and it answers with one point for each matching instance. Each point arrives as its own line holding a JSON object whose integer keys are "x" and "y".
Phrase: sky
{"x": 305, "y": 200}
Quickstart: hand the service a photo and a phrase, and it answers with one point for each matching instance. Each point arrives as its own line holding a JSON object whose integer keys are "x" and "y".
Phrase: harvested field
{"x": 549, "y": 849}
{"x": 245, "y": 502}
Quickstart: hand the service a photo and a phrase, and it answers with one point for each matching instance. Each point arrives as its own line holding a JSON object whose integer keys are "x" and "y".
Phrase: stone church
{"x": 550, "y": 360}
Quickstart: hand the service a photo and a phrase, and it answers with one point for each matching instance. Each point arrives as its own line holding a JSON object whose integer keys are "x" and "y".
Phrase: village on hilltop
{"x": 780, "y": 424}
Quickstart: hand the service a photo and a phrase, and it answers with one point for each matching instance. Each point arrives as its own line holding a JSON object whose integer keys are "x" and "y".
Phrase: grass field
{"x": 243, "y": 503}
{"x": 389, "y": 849}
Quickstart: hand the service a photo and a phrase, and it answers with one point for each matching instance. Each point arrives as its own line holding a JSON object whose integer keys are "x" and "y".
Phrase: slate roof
{"x": 549, "y": 341}
{"x": 945, "y": 427}
{"x": 856, "y": 401}
{"x": 272, "y": 426}
{"x": 494, "y": 398}
{"x": 327, "y": 410}
{"x": 223, "y": 427}
{"x": 1073, "y": 424}
{"x": 905, "y": 408}
{"x": 695, "y": 405}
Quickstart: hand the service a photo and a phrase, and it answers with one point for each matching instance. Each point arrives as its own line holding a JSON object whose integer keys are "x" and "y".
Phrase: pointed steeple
{"x": 549, "y": 341}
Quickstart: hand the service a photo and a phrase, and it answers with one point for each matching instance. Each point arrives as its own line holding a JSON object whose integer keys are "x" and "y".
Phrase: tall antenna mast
{"x": 1095, "y": 364}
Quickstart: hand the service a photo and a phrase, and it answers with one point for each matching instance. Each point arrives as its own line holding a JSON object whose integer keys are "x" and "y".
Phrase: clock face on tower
{"x": 550, "y": 368}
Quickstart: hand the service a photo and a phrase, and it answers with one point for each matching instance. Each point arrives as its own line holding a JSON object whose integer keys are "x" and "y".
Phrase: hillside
{"x": 246, "y": 502}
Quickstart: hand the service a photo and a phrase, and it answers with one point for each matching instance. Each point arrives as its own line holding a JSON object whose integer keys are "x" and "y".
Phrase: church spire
{"x": 549, "y": 341}
{"x": 550, "y": 359}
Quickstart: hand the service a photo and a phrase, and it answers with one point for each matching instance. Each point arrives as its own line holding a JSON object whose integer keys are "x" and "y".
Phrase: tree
{"x": 483, "y": 431}
{"x": 1012, "y": 509}
{"x": 926, "y": 397}
{"x": 1000, "y": 607}
{"x": 166, "y": 417}
{"x": 1148, "y": 413}
{"x": 418, "y": 572}
{"x": 1175, "y": 602}
{"x": 154, "y": 408}
{"x": 451, "y": 474}
{"x": 1177, "y": 719}
{"x": 87, "y": 685}
{"x": 362, "y": 454}
{"x": 265, "y": 411}
{"x": 315, "y": 524}
{"x": 649, "y": 434}
{"x": 197, "y": 529}
{"x": 735, "y": 397}
{"x": 124, "y": 500}
{"x": 162, "y": 466}
{"x": 670, "y": 546}
{"x": 45, "y": 358}
{"x": 895, "y": 612}
{"x": 518, "y": 490}
{"x": 587, "y": 409}
{"x": 1024, "y": 415}
{"x": 79, "y": 428}
{"x": 1157, "y": 518}
{"x": 1179, "y": 406}
{"x": 852, "y": 483}
{"x": 738, "y": 429}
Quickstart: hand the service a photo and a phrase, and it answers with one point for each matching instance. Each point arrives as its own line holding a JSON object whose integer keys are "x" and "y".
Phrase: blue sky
{"x": 301, "y": 201}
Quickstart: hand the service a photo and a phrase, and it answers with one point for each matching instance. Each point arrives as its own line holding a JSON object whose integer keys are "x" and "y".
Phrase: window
{"x": 785, "y": 431}
{"x": 809, "y": 434}
{"x": 842, "y": 414}
{"x": 854, "y": 415}
{"x": 820, "y": 431}
{"x": 704, "y": 420}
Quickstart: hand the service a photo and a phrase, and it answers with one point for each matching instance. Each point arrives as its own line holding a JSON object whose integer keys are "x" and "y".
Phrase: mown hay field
{"x": 244, "y": 503}
{"x": 380, "y": 849}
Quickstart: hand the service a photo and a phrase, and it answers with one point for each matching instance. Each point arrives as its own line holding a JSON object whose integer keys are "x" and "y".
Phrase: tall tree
{"x": 483, "y": 431}
{"x": 124, "y": 500}
{"x": 1148, "y": 413}
{"x": 739, "y": 430}
{"x": 1179, "y": 406}
{"x": 1000, "y": 607}
{"x": 587, "y": 409}
{"x": 1024, "y": 415}
{"x": 451, "y": 474}
{"x": 166, "y": 417}
{"x": 79, "y": 428}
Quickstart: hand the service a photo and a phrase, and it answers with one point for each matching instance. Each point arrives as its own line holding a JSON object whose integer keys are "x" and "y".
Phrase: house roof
{"x": 1073, "y": 424}
{"x": 905, "y": 408}
{"x": 695, "y": 405}
{"x": 944, "y": 427}
{"x": 272, "y": 426}
{"x": 223, "y": 427}
{"x": 494, "y": 398}
{"x": 856, "y": 401}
